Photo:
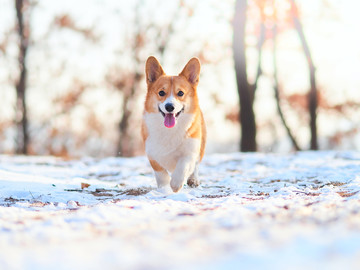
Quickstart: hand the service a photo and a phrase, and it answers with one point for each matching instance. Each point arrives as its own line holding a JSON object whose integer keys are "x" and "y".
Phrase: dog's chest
{"x": 166, "y": 144}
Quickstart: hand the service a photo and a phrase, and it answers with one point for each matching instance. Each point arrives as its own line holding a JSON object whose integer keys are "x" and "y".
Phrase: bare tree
{"x": 23, "y": 30}
{"x": 313, "y": 96}
{"x": 277, "y": 93}
{"x": 245, "y": 92}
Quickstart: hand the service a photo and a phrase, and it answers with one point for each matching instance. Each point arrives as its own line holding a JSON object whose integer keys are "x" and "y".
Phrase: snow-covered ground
{"x": 252, "y": 211}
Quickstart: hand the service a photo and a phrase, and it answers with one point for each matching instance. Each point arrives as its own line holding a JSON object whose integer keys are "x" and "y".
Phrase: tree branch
{"x": 312, "y": 98}
{"x": 277, "y": 94}
{"x": 260, "y": 44}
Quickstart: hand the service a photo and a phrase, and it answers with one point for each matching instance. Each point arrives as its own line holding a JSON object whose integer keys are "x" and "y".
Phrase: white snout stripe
{"x": 172, "y": 100}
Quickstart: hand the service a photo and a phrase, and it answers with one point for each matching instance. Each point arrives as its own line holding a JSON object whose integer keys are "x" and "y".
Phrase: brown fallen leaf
{"x": 38, "y": 204}
{"x": 84, "y": 185}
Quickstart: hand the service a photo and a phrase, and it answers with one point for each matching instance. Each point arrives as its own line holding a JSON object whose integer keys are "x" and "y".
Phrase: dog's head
{"x": 171, "y": 96}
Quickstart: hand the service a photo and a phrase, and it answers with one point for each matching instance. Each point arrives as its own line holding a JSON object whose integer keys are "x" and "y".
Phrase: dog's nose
{"x": 169, "y": 107}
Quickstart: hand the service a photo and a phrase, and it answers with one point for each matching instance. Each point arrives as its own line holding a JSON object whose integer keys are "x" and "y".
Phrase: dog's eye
{"x": 161, "y": 93}
{"x": 180, "y": 93}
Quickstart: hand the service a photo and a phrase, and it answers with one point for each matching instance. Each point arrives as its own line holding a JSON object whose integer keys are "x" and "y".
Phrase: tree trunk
{"x": 246, "y": 96}
{"x": 312, "y": 98}
{"x": 21, "y": 112}
{"x": 127, "y": 145}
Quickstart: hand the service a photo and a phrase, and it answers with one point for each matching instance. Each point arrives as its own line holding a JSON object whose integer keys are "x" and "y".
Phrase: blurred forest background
{"x": 277, "y": 75}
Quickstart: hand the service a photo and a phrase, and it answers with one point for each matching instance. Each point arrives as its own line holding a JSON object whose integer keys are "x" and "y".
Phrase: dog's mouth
{"x": 170, "y": 118}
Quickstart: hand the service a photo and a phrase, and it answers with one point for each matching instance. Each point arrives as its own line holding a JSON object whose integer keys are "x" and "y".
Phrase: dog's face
{"x": 171, "y": 96}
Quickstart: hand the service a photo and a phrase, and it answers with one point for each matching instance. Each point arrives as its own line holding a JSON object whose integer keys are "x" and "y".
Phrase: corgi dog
{"x": 173, "y": 126}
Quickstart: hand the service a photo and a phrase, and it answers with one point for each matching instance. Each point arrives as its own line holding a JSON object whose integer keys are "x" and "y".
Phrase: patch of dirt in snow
{"x": 251, "y": 210}
{"x": 110, "y": 193}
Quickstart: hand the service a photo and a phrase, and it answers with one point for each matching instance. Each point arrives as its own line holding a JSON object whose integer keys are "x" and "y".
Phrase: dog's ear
{"x": 153, "y": 70}
{"x": 192, "y": 71}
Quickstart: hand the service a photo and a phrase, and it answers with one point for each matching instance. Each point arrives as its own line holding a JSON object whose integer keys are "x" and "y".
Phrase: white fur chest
{"x": 167, "y": 145}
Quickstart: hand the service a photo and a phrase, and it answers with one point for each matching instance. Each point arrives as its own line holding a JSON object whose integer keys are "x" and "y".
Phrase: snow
{"x": 252, "y": 211}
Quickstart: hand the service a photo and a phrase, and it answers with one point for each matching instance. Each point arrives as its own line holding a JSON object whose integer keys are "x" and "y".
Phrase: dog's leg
{"x": 193, "y": 180}
{"x": 161, "y": 175}
{"x": 184, "y": 167}
{"x": 162, "y": 178}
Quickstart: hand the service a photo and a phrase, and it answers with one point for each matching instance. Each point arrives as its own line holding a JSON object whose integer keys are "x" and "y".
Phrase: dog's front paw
{"x": 175, "y": 186}
{"x": 193, "y": 182}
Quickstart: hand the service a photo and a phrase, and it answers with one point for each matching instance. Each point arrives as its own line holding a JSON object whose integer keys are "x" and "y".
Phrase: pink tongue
{"x": 169, "y": 120}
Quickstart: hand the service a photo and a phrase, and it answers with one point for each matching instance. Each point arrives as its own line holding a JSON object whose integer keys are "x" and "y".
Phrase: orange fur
{"x": 198, "y": 132}
{"x": 155, "y": 165}
{"x": 175, "y": 149}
